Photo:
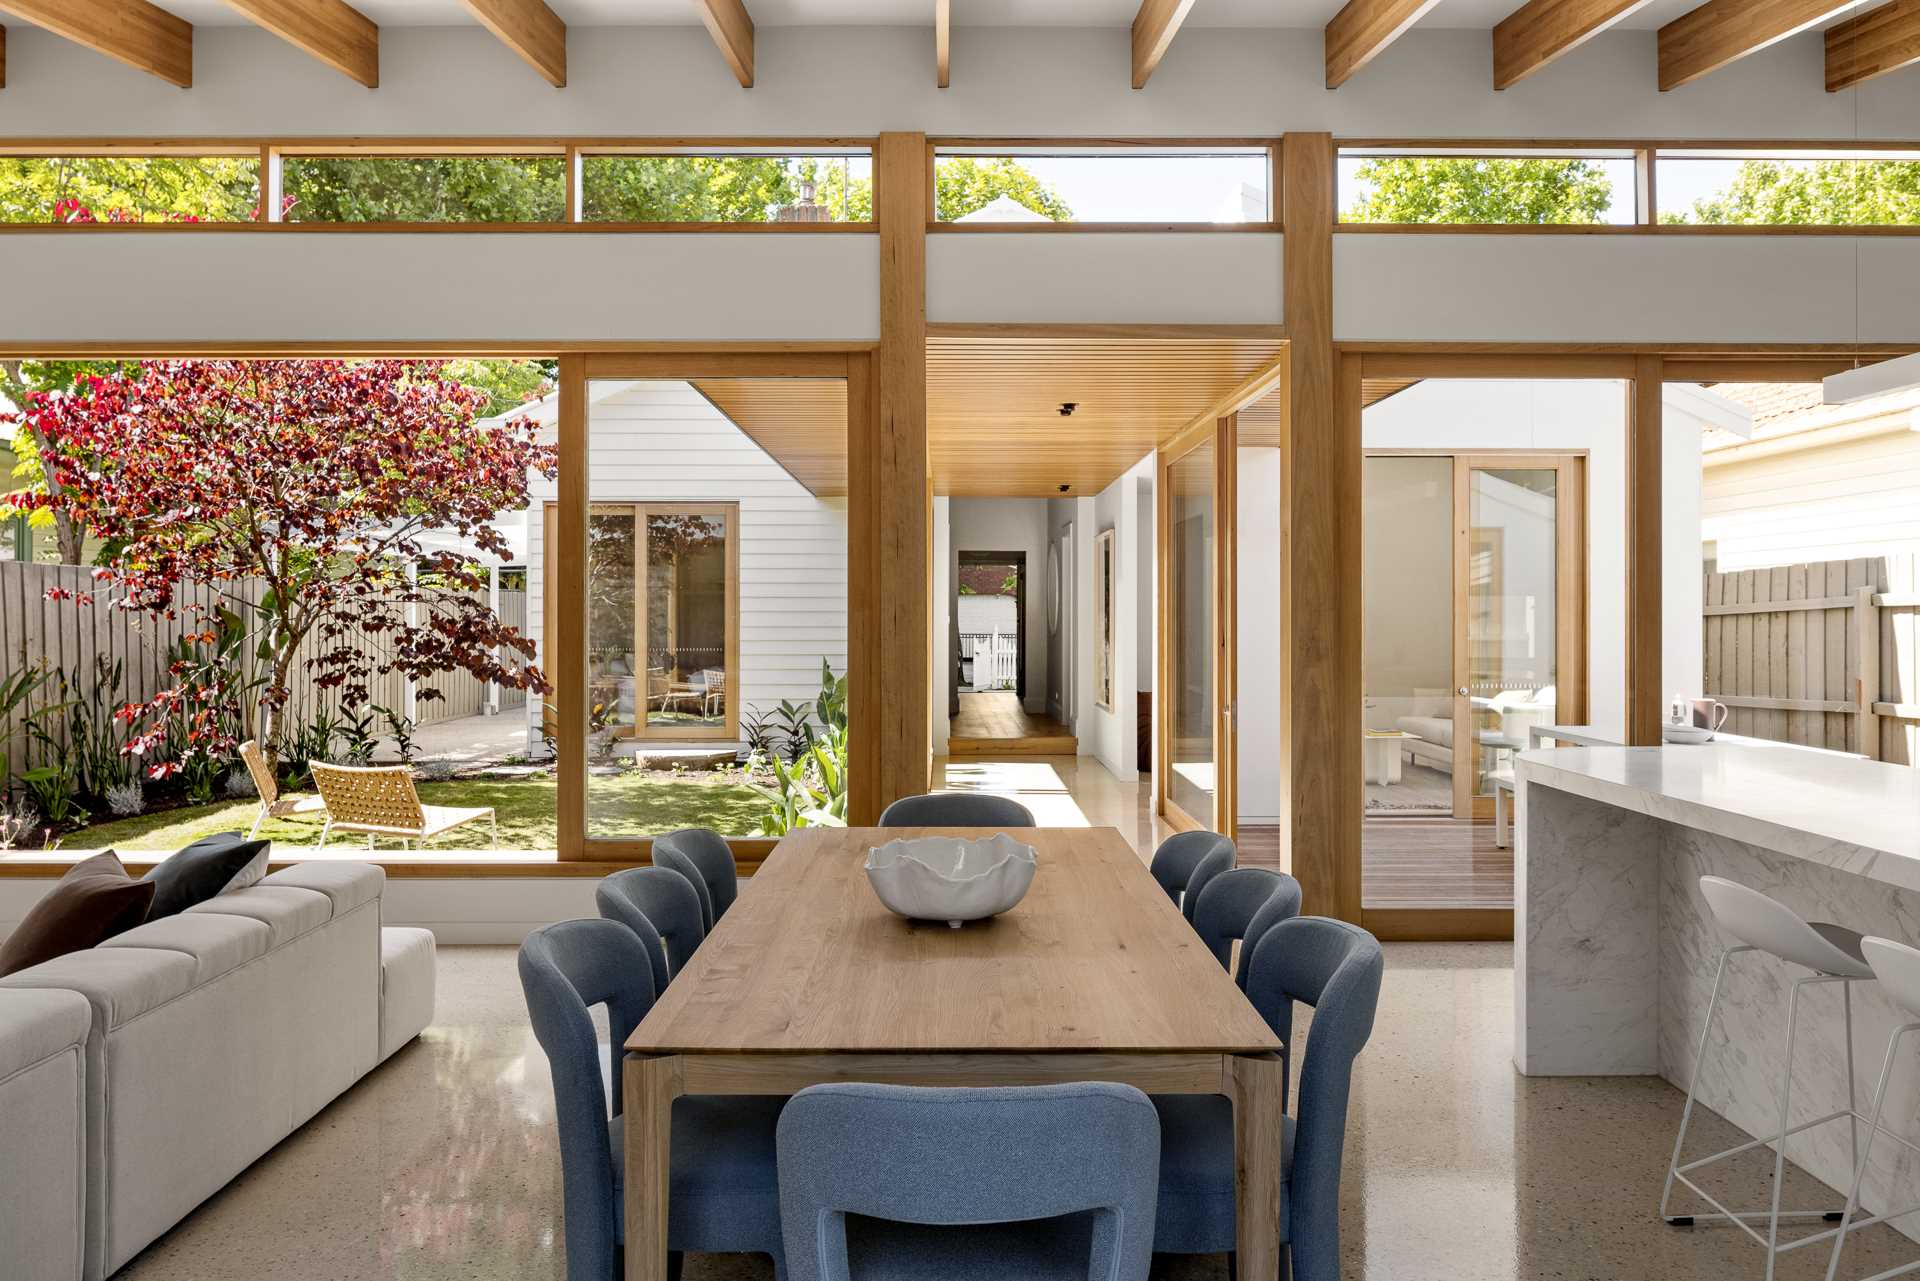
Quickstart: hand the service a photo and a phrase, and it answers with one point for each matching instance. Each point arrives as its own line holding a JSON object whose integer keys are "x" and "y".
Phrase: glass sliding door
{"x": 1195, "y": 778}
{"x": 1510, "y": 663}
{"x": 688, "y": 618}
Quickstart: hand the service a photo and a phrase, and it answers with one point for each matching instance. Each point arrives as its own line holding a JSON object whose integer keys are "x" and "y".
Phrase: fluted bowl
{"x": 951, "y": 878}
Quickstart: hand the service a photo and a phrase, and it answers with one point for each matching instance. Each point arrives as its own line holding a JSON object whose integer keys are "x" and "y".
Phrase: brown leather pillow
{"x": 94, "y": 901}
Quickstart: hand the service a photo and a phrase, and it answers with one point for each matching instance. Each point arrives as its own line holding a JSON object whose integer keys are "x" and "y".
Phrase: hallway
{"x": 993, "y": 723}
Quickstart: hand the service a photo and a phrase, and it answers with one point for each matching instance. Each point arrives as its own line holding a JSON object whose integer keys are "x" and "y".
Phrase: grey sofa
{"x": 193, "y": 1045}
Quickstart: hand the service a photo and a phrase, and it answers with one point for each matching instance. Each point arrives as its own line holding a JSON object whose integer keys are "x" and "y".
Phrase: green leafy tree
{"x": 507, "y": 384}
{"x": 128, "y": 188}
{"x": 961, "y": 184}
{"x": 1826, "y": 192}
{"x": 1481, "y": 189}
{"x": 687, "y": 188}
{"x": 425, "y": 188}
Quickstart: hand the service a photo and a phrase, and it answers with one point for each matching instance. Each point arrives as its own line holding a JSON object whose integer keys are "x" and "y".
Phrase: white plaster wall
{"x": 1590, "y": 415}
{"x": 1050, "y": 278}
{"x": 944, "y": 652}
{"x": 1606, "y": 288}
{"x": 1012, "y": 525}
{"x": 1257, "y": 699}
{"x": 1111, "y": 733}
{"x": 249, "y": 286}
{"x": 1034, "y": 81}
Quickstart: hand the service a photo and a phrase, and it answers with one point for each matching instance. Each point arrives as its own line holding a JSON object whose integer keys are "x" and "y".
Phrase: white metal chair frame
{"x": 1773, "y": 1215}
{"x": 1847, "y": 1222}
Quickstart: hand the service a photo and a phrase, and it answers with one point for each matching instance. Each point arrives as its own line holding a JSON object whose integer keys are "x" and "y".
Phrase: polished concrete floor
{"x": 442, "y": 1163}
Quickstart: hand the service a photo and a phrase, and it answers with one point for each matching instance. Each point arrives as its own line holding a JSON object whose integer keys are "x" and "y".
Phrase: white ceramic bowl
{"x": 1687, "y": 733}
{"x": 947, "y": 878}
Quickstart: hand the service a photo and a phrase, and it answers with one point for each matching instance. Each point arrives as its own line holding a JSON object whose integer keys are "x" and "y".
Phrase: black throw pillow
{"x": 94, "y": 901}
{"x": 209, "y": 867}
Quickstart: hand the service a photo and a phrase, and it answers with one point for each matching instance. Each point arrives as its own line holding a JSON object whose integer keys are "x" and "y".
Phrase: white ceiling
{"x": 1305, "y": 14}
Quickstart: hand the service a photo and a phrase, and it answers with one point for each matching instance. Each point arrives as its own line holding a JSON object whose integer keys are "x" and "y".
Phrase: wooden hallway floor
{"x": 993, "y": 723}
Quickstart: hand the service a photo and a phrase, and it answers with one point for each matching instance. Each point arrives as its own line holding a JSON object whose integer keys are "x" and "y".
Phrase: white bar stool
{"x": 1833, "y": 953}
{"x": 1897, "y": 966}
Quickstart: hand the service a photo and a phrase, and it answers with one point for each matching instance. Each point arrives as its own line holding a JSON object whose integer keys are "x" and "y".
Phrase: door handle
{"x": 1462, "y": 692}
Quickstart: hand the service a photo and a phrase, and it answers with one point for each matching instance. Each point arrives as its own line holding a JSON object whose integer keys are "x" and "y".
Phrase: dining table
{"x": 1093, "y": 976}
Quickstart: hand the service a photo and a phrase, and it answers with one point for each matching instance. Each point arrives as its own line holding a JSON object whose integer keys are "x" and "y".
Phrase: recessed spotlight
{"x": 1065, "y": 488}
{"x": 1067, "y": 407}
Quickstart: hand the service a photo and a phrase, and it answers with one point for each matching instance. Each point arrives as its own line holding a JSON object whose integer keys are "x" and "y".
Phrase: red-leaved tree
{"x": 299, "y": 492}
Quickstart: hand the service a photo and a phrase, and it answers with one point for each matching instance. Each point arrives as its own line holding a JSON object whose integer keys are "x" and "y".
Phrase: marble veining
{"x": 1616, "y": 949}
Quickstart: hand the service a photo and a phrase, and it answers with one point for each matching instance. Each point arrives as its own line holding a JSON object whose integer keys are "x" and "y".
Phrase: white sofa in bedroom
{"x": 138, "y": 1077}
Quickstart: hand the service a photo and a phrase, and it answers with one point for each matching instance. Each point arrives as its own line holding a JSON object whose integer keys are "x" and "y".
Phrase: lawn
{"x": 626, "y": 804}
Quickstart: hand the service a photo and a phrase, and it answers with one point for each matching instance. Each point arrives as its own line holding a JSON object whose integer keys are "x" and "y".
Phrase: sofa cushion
{"x": 349, "y": 885}
{"x": 122, "y": 983}
{"x": 217, "y": 943}
{"x": 286, "y": 911}
{"x": 37, "y": 1024}
{"x": 94, "y": 901}
{"x": 210, "y": 866}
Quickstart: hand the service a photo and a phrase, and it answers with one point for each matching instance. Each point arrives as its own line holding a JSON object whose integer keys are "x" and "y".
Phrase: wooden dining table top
{"x": 1095, "y": 959}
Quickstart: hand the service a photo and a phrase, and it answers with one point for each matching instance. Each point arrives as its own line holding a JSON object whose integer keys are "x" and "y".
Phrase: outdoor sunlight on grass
{"x": 1035, "y": 784}
{"x": 619, "y": 806}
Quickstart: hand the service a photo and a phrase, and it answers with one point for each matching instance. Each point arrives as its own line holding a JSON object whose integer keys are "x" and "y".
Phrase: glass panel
{"x": 739, "y": 188}
{"x": 1408, "y": 603}
{"x": 1190, "y": 561}
{"x": 686, "y": 613}
{"x": 1487, "y": 190}
{"x": 1792, "y": 188}
{"x": 1126, "y": 186}
{"x": 423, "y": 188}
{"x": 717, "y": 606}
{"x": 128, "y": 188}
{"x": 1511, "y": 621}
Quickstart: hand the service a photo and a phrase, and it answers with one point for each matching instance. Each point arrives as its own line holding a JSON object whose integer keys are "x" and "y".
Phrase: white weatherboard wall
{"x": 663, "y": 441}
{"x": 1469, "y": 415}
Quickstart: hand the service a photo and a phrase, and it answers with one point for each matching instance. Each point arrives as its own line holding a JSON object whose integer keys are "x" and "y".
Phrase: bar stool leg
{"x": 1693, "y": 1080}
{"x": 1780, "y": 1149}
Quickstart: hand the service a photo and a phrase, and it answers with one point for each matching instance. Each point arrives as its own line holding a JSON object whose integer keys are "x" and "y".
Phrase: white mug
{"x": 1709, "y": 715}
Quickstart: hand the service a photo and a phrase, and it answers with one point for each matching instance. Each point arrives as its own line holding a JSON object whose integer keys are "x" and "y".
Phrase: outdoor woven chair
{"x": 714, "y": 681}
{"x": 272, "y": 803}
{"x": 380, "y": 800}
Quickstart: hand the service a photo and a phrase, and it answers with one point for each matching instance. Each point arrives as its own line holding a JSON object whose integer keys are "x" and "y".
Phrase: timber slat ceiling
{"x": 994, "y": 426}
{"x": 802, "y": 422}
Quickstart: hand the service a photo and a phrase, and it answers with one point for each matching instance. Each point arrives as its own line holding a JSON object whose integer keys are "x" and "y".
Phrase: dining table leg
{"x": 652, "y": 1084}
{"x": 1259, "y": 1091}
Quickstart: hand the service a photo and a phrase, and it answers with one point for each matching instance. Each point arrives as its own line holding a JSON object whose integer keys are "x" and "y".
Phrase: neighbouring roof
{"x": 1783, "y": 410}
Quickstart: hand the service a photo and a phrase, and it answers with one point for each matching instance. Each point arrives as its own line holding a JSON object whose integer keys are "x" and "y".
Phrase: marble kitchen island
{"x": 1615, "y": 950}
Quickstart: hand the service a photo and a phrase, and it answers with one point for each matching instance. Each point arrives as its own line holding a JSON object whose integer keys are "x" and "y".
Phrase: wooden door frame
{"x": 1573, "y": 606}
{"x": 1222, "y": 434}
{"x": 1019, "y": 562}
{"x": 566, "y": 622}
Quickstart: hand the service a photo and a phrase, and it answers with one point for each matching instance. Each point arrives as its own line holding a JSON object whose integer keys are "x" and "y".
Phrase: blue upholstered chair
{"x": 662, "y": 908}
{"x": 1218, "y": 860}
{"x": 956, "y": 809}
{"x": 1242, "y": 904}
{"x": 723, "y": 1194}
{"x": 1035, "y": 1183}
{"x": 1180, "y": 854}
{"x": 1335, "y": 968}
{"x": 705, "y": 858}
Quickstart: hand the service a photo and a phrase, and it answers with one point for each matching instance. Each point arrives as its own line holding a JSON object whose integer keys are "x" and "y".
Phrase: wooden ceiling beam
{"x": 1703, "y": 40}
{"x": 334, "y": 32}
{"x": 1872, "y": 44}
{"x": 731, "y": 27}
{"x": 1154, "y": 28}
{"x": 531, "y": 30}
{"x": 1541, "y": 30}
{"x": 1363, "y": 29}
{"x": 143, "y": 36}
{"x": 942, "y": 42}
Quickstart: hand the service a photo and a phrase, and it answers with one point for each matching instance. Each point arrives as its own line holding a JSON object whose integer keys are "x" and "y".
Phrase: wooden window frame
{"x": 1646, "y": 156}
{"x": 1091, "y": 147}
{"x": 729, "y": 728}
{"x": 273, "y": 151}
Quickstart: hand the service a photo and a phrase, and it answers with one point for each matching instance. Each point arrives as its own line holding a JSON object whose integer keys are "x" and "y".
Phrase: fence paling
{"x": 1820, "y": 653}
{"x": 68, "y": 635}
